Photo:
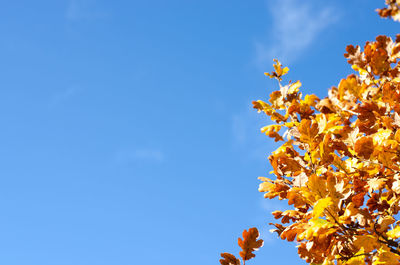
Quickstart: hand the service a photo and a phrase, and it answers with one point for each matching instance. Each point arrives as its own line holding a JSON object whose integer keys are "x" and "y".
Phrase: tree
{"x": 339, "y": 163}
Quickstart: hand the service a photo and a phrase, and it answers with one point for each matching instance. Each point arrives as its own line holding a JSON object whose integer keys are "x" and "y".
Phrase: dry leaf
{"x": 249, "y": 243}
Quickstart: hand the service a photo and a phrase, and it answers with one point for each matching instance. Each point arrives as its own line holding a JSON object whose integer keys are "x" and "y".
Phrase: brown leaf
{"x": 354, "y": 56}
{"x": 364, "y": 147}
{"x": 229, "y": 259}
{"x": 358, "y": 199}
{"x": 249, "y": 243}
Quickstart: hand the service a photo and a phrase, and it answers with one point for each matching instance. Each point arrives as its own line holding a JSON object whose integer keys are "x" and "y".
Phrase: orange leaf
{"x": 249, "y": 243}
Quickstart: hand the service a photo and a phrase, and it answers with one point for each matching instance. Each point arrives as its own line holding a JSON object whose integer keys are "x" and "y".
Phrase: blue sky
{"x": 127, "y": 130}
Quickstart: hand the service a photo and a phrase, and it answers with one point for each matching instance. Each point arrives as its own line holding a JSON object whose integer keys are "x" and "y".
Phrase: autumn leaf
{"x": 394, "y": 233}
{"x": 311, "y": 100}
{"x": 300, "y": 179}
{"x": 392, "y": 10}
{"x": 308, "y": 131}
{"x": 364, "y": 147}
{"x": 249, "y": 243}
{"x": 367, "y": 242}
{"x": 386, "y": 257}
{"x": 384, "y": 223}
{"x": 376, "y": 184}
{"x": 229, "y": 259}
{"x": 279, "y": 71}
{"x": 358, "y": 199}
{"x": 272, "y": 131}
{"x": 320, "y": 206}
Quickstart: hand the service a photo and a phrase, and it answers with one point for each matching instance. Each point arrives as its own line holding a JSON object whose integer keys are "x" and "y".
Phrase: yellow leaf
{"x": 279, "y": 71}
{"x": 271, "y": 128}
{"x": 381, "y": 135}
{"x": 272, "y": 131}
{"x": 320, "y": 206}
{"x": 394, "y": 233}
{"x": 266, "y": 185}
{"x": 358, "y": 259}
{"x": 278, "y": 68}
{"x": 311, "y": 100}
{"x": 360, "y": 70}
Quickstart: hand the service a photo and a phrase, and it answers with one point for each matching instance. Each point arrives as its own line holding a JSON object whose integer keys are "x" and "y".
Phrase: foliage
{"x": 339, "y": 162}
{"x": 392, "y": 10}
{"x": 249, "y": 244}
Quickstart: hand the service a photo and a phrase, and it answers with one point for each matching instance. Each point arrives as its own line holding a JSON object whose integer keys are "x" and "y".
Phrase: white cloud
{"x": 295, "y": 26}
{"x": 84, "y": 10}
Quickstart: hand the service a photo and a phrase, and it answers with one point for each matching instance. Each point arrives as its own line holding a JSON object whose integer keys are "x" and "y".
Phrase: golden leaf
{"x": 320, "y": 206}
{"x": 279, "y": 71}
{"x": 358, "y": 259}
{"x": 385, "y": 257}
{"x": 394, "y": 233}
{"x": 367, "y": 242}
{"x": 272, "y": 131}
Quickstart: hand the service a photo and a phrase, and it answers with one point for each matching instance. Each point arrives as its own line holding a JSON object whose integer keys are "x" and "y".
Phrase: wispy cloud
{"x": 139, "y": 154}
{"x": 295, "y": 26}
{"x": 84, "y": 10}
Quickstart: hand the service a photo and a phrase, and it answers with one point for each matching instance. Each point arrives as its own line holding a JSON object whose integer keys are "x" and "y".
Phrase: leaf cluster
{"x": 338, "y": 166}
{"x": 392, "y": 10}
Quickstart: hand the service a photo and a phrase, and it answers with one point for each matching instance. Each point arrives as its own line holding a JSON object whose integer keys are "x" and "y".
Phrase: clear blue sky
{"x": 127, "y": 134}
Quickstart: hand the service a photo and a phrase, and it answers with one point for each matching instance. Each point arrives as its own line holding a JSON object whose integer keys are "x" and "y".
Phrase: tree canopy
{"x": 338, "y": 166}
